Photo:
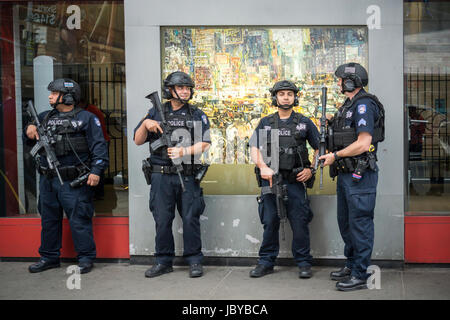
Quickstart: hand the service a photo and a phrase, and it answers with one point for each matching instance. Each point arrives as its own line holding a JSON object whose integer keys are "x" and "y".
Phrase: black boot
{"x": 351, "y": 284}
{"x": 85, "y": 267}
{"x": 43, "y": 265}
{"x": 195, "y": 270}
{"x": 157, "y": 270}
{"x": 341, "y": 274}
{"x": 260, "y": 270}
{"x": 305, "y": 272}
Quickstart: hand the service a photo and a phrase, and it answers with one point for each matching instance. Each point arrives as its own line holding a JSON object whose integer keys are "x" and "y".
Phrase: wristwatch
{"x": 336, "y": 157}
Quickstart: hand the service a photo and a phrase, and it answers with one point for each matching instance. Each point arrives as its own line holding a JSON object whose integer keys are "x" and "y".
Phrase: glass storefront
{"x": 233, "y": 69}
{"x": 42, "y": 41}
{"x": 427, "y": 92}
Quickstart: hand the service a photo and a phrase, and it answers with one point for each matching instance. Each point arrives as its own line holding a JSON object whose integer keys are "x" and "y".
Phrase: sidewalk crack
{"x": 213, "y": 291}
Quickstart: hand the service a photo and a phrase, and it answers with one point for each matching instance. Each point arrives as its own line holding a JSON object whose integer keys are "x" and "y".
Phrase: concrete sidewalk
{"x": 124, "y": 281}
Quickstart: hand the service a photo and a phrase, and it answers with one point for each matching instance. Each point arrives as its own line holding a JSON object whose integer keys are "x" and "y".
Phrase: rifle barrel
{"x": 322, "y": 144}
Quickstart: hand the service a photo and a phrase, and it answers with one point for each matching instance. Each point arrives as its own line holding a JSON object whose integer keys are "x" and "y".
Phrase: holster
{"x": 147, "y": 170}
{"x": 333, "y": 170}
{"x": 200, "y": 172}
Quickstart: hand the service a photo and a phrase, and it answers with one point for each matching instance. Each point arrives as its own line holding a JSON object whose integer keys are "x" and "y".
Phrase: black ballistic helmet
{"x": 353, "y": 76}
{"x": 177, "y": 78}
{"x": 69, "y": 91}
{"x": 283, "y": 85}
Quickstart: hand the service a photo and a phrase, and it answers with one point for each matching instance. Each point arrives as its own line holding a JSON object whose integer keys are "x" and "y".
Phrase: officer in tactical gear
{"x": 292, "y": 131}
{"x": 353, "y": 136}
{"x": 166, "y": 191}
{"x": 81, "y": 151}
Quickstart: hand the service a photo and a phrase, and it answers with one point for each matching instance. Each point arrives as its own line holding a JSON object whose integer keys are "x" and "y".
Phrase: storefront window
{"x": 233, "y": 68}
{"x": 427, "y": 68}
{"x": 42, "y": 41}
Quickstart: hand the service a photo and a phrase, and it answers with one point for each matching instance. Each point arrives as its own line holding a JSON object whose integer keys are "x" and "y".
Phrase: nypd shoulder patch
{"x": 97, "y": 122}
{"x": 362, "y": 109}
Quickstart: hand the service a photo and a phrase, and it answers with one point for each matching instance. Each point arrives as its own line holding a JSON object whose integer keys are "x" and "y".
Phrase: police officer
{"x": 80, "y": 148}
{"x": 166, "y": 191}
{"x": 294, "y": 166}
{"x": 356, "y": 129}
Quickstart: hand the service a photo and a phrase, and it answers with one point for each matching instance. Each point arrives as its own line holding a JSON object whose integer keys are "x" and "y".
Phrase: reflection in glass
{"x": 79, "y": 40}
{"x": 427, "y": 38}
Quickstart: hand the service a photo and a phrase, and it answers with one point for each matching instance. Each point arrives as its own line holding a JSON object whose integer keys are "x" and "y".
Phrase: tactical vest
{"x": 293, "y": 152}
{"x": 64, "y": 129}
{"x": 340, "y": 136}
{"x": 175, "y": 121}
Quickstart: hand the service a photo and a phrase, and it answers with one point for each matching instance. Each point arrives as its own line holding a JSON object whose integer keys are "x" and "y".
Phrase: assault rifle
{"x": 44, "y": 144}
{"x": 281, "y": 195}
{"x": 165, "y": 140}
{"x": 323, "y": 135}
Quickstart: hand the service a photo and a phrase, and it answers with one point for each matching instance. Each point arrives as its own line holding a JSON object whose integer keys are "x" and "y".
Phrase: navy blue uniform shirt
{"x": 85, "y": 123}
{"x": 306, "y": 128}
{"x": 362, "y": 115}
{"x": 198, "y": 116}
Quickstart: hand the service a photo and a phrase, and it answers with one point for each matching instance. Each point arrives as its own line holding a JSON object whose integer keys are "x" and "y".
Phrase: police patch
{"x": 97, "y": 122}
{"x": 362, "y": 109}
{"x": 301, "y": 126}
{"x": 349, "y": 114}
{"x": 176, "y": 123}
{"x": 362, "y": 122}
{"x": 205, "y": 120}
{"x": 284, "y": 132}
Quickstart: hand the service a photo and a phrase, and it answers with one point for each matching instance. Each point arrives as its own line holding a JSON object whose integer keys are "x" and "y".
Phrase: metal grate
{"x": 427, "y": 93}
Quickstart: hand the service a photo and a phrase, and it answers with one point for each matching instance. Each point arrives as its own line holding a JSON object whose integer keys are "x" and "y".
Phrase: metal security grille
{"x": 427, "y": 94}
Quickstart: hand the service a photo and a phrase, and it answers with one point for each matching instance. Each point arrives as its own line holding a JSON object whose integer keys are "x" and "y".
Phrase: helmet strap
{"x": 178, "y": 97}
{"x": 284, "y": 106}
{"x": 57, "y": 100}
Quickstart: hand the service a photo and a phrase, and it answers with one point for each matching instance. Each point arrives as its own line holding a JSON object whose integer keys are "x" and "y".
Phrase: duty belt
{"x": 67, "y": 173}
{"x": 188, "y": 169}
